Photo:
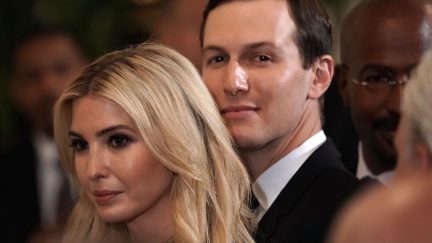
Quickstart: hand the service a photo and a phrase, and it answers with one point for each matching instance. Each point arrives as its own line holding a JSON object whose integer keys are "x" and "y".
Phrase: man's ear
{"x": 323, "y": 74}
{"x": 341, "y": 79}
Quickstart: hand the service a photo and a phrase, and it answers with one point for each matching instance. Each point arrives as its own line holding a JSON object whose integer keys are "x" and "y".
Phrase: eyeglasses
{"x": 380, "y": 82}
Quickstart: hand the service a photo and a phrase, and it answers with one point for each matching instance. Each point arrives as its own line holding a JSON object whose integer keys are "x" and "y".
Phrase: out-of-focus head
{"x": 43, "y": 62}
{"x": 398, "y": 214}
{"x": 414, "y": 135}
{"x": 381, "y": 43}
{"x": 178, "y": 26}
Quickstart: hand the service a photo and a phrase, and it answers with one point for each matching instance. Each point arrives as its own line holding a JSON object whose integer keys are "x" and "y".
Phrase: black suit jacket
{"x": 20, "y": 200}
{"x": 305, "y": 208}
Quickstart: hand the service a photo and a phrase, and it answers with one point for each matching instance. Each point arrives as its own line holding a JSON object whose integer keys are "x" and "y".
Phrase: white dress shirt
{"x": 363, "y": 171}
{"x": 270, "y": 183}
{"x": 49, "y": 178}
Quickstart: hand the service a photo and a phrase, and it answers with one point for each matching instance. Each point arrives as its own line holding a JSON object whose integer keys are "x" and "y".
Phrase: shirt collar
{"x": 45, "y": 149}
{"x": 269, "y": 185}
{"x": 363, "y": 171}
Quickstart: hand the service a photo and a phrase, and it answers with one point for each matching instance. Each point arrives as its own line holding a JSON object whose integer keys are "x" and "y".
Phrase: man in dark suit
{"x": 267, "y": 63}
{"x": 43, "y": 62}
{"x": 381, "y": 43}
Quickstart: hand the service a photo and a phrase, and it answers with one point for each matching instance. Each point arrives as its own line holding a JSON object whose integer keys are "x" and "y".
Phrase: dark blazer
{"x": 339, "y": 126}
{"x": 20, "y": 200}
{"x": 306, "y": 206}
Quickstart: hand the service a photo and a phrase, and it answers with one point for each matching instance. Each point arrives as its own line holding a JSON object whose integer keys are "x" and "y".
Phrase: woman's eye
{"x": 119, "y": 141}
{"x": 78, "y": 145}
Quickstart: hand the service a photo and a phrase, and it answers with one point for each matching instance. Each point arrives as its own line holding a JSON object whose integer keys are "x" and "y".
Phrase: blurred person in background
{"x": 178, "y": 26}
{"x": 399, "y": 213}
{"x": 381, "y": 43}
{"x": 44, "y": 62}
{"x": 402, "y": 212}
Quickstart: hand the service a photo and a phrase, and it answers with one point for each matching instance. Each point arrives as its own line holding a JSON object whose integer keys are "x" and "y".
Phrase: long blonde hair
{"x": 417, "y": 105}
{"x": 164, "y": 95}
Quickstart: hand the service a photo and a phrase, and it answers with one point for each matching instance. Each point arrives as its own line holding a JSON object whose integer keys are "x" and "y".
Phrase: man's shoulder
{"x": 307, "y": 205}
{"x": 16, "y": 151}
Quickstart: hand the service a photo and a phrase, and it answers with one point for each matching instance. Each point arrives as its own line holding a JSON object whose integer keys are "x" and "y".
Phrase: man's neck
{"x": 259, "y": 160}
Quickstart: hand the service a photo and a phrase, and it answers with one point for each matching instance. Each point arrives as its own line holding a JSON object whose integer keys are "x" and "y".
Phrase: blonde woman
{"x": 139, "y": 132}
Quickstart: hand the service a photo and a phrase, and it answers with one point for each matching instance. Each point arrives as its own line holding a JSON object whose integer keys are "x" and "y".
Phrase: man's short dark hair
{"x": 314, "y": 31}
{"x": 36, "y": 32}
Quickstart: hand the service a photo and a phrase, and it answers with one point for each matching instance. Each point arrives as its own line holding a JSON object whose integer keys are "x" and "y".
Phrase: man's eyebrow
{"x": 377, "y": 67}
{"x": 255, "y": 45}
{"x": 248, "y": 46}
{"x": 213, "y": 48}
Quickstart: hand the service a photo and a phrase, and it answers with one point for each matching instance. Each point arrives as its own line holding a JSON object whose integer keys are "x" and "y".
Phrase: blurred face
{"x": 114, "y": 166}
{"x": 43, "y": 68}
{"x": 253, "y": 69}
{"x": 181, "y": 29}
{"x": 384, "y": 48}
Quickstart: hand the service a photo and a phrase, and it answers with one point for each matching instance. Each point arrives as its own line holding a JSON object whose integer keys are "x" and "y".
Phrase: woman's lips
{"x": 104, "y": 197}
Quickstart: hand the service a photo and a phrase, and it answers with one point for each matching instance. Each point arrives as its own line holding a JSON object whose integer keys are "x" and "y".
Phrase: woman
{"x": 139, "y": 132}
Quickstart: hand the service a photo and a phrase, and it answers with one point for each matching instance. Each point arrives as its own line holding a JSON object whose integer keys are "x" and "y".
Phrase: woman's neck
{"x": 154, "y": 225}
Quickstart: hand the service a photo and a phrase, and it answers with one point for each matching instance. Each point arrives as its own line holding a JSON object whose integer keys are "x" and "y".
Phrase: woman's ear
{"x": 323, "y": 74}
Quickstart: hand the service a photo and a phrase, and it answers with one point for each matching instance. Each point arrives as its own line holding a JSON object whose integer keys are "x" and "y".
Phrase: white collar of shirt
{"x": 363, "y": 171}
{"x": 49, "y": 176}
{"x": 268, "y": 186}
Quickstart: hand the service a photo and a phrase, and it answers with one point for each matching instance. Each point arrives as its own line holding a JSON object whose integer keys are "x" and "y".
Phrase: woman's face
{"x": 114, "y": 165}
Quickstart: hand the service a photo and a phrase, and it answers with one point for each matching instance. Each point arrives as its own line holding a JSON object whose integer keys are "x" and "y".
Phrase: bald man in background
{"x": 381, "y": 43}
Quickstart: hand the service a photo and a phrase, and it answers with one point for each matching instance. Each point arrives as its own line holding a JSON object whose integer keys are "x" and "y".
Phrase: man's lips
{"x": 238, "y": 112}
{"x": 103, "y": 197}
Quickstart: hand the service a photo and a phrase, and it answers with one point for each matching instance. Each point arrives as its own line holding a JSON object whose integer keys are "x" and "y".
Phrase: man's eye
{"x": 62, "y": 68}
{"x": 217, "y": 59}
{"x": 119, "y": 141}
{"x": 78, "y": 145}
{"x": 377, "y": 79}
{"x": 263, "y": 58}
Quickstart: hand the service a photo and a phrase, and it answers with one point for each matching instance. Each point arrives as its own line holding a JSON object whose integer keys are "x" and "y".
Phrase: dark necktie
{"x": 254, "y": 202}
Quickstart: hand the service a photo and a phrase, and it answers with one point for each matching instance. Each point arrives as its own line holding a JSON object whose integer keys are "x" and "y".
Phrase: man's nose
{"x": 394, "y": 98}
{"x": 236, "y": 79}
{"x": 52, "y": 84}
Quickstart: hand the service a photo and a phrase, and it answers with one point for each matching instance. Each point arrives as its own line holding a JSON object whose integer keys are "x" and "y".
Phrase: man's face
{"x": 43, "y": 68}
{"x": 253, "y": 69}
{"x": 384, "y": 47}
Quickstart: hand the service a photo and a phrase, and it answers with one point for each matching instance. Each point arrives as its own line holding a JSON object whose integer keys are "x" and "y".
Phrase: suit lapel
{"x": 322, "y": 158}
